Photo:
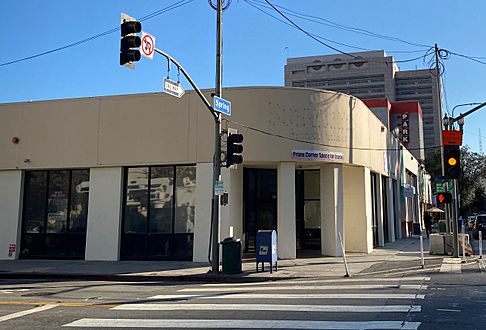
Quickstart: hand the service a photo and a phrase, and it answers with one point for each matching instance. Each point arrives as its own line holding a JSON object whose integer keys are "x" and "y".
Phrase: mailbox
{"x": 266, "y": 249}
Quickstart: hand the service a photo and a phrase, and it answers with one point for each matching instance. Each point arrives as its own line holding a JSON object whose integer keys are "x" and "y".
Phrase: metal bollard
{"x": 480, "y": 245}
{"x": 422, "y": 251}
{"x": 463, "y": 244}
{"x": 344, "y": 256}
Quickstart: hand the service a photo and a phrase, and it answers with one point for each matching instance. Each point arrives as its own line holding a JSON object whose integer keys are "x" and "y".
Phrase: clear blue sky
{"x": 255, "y": 45}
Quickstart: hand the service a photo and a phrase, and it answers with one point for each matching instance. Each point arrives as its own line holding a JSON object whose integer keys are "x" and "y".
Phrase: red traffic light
{"x": 444, "y": 198}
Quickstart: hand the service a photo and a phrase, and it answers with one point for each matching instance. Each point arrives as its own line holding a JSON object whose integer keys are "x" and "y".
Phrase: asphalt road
{"x": 389, "y": 296}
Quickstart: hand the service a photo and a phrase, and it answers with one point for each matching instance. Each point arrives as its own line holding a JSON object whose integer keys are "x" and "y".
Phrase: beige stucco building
{"x": 129, "y": 177}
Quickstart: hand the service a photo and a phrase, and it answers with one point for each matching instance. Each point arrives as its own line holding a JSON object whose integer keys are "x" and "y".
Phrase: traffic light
{"x": 130, "y": 41}
{"x": 452, "y": 162}
{"x": 234, "y": 149}
{"x": 444, "y": 198}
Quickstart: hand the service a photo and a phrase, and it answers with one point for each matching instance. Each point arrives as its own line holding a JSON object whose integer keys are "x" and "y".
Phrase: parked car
{"x": 480, "y": 225}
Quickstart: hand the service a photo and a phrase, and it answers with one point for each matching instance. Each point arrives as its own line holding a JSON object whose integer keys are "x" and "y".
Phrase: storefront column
{"x": 10, "y": 213}
{"x": 391, "y": 210}
{"x": 332, "y": 215}
{"x": 357, "y": 209}
{"x": 286, "y": 234}
{"x": 379, "y": 210}
{"x": 202, "y": 218}
{"x": 104, "y": 213}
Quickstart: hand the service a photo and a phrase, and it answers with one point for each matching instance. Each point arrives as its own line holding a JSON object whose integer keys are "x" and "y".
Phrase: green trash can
{"x": 231, "y": 255}
{"x": 442, "y": 226}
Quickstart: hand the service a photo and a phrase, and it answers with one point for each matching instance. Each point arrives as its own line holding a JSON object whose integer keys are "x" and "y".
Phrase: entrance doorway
{"x": 308, "y": 209}
{"x": 260, "y": 203}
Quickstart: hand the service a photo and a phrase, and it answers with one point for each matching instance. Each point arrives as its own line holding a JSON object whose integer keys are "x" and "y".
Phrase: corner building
{"x": 130, "y": 177}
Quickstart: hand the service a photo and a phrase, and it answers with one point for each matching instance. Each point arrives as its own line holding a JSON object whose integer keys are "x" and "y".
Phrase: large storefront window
{"x": 159, "y": 213}
{"x": 55, "y": 214}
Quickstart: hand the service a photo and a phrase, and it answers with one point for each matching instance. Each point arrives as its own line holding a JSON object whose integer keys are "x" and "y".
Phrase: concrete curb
{"x": 208, "y": 278}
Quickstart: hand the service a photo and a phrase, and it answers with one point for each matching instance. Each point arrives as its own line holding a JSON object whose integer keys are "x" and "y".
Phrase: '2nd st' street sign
{"x": 173, "y": 88}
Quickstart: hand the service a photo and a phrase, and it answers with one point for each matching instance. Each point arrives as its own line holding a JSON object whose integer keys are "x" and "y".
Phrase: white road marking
{"x": 262, "y": 307}
{"x": 448, "y": 310}
{"x": 303, "y": 287}
{"x": 175, "y": 296}
{"x": 451, "y": 265}
{"x": 295, "y": 296}
{"x": 13, "y": 290}
{"x": 337, "y": 280}
{"x": 240, "y": 324}
{"x": 27, "y": 312}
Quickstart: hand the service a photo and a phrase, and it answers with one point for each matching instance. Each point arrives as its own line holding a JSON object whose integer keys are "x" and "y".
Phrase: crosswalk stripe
{"x": 27, "y": 312}
{"x": 294, "y": 296}
{"x": 302, "y": 287}
{"x": 263, "y": 307}
{"x": 336, "y": 280}
{"x": 240, "y": 324}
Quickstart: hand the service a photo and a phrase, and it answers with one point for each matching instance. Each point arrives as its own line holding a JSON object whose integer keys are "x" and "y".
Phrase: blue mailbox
{"x": 266, "y": 248}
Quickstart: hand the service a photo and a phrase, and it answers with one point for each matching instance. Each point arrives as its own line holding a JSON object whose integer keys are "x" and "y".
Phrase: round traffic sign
{"x": 148, "y": 45}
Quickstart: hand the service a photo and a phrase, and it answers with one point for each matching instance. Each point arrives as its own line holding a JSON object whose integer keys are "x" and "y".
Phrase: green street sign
{"x": 439, "y": 188}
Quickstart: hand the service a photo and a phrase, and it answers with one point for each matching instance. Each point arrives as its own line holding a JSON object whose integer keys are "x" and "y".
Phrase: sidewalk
{"x": 402, "y": 252}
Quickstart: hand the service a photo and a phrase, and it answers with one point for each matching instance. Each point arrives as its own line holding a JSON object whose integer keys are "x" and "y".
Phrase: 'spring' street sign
{"x": 222, "y": 105}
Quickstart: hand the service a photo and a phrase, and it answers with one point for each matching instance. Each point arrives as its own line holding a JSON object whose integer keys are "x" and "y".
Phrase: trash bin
{"x": 266, "y": 248}
{"x": 231, "y": 255}
{"x": 442, "y": 226}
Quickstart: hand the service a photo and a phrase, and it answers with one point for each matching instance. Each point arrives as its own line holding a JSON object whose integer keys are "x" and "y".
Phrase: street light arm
{"x": 201, "y": 95}
{"x": 469, "y": 112}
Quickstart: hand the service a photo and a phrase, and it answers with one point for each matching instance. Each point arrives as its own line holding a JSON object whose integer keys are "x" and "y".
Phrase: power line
{"x": 332, "y": 24}
{"x": 99, "y": 35}
{"x": 471, "y": 58}
{"x": 336, "y": 49}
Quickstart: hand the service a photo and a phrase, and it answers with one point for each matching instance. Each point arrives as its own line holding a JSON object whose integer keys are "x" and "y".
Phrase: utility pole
{"x": 217, "y": 144}
{"x": 439, "y": 102}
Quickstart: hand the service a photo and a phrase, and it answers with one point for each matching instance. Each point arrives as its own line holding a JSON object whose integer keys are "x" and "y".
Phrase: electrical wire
{"x": 320, "y": 144}
{"x": 332, "y": 24}
{"x": 336, "y": 49}
{"x": 99, "y": 35}
{"x": 475, "y": 59}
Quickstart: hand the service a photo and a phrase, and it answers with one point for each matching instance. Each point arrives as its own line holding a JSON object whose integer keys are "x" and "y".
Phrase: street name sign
{"x": 173, "y": 88}
{"x": 222, "y": 105}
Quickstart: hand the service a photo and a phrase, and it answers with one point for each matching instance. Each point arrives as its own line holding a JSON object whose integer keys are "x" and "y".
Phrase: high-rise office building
{"x": 372, "y": 75}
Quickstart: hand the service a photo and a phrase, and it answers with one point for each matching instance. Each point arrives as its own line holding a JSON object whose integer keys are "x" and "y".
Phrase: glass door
{"x": 260, "y": 203}
{"x": 308, "y": 209}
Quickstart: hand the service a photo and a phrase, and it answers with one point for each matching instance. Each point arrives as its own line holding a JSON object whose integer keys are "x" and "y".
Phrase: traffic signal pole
{"x": 217, "y": 144}
{"x": 216, "y": 163}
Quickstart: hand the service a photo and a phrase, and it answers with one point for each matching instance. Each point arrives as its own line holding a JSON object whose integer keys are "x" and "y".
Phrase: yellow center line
{"x": 60, "y": 304}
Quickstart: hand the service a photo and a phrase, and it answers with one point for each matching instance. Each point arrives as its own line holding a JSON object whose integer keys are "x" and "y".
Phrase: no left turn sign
{"x": 148, "y": 45}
